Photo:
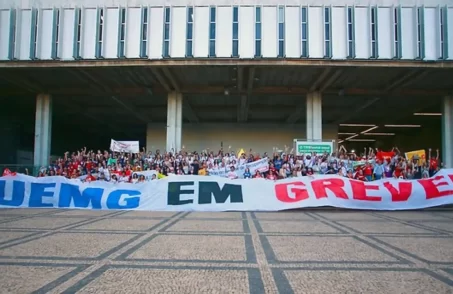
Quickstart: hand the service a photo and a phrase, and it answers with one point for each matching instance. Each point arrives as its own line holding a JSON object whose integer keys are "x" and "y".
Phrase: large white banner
{"x": 124, "y": 146}
{"x": 199, "y": 193}
{"x": 262, "y": 165}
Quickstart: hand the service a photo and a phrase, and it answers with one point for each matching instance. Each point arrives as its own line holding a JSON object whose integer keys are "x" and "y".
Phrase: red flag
{"x": 381, "y": 155}
{"x": 7, "y": 172}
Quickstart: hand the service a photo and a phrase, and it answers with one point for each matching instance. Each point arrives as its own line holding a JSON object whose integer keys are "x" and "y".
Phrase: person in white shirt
{"x": 232, "y": 174}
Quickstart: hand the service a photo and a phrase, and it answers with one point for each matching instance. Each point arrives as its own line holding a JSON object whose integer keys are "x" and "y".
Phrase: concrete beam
{"x": 320, "y": 79}
{"x": 262, "y": 62}
{"x": 406, "y": 79}
{"x": 171, "y": 78}
{"x": 188, "y": 111}
{"x": 353, "y": 113}
{"x": 219, "y": 90}
{"x": 243, "y": 111}
{"x": 330, "y": 80}
{"x": 297, "y": 112}
{"x": 161, "y": 79}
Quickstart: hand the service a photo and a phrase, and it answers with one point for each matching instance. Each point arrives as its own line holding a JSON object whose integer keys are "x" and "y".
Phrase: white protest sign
{"x": 125, "y": 146}
{"x": 262, "y": 165}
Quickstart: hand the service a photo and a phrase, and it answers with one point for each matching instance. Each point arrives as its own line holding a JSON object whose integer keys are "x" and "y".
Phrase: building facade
{"x": 74, "y": 30}
{"x": 246, "y": 35}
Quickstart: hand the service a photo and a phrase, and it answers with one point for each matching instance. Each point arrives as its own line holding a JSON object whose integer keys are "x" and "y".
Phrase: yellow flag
{"x": 240, "y": 152}
{"x": 417, "y": 153}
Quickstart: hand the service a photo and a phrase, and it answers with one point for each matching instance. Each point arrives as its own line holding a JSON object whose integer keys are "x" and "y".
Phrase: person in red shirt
{"x": 368, "y": 172}
{"x": 89, "y": 165}
{"x": 360, "y": 176}
{"x": 257, "y": 175}
{"x": 89, "y": 178}
{"x": 433, "y": 162}
{"x": 272, "y": 176}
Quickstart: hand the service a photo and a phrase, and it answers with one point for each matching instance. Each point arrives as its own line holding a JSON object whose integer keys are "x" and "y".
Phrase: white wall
{"x": 260, "y": 137}
{"x": 409, "y": 33}
{"x": 45, "y": 36}
{"x": 133, "y": 19}
{"x": 178, "y": 32}
{"x": 89, "y": 27}
{"x": 224, "y": 32}
{"x": 111, "y": 33}
{"x": 23, "y": 34}
{"x": 4, "y": 34}
{"x": 315, "y": 32}
{"x": 67, "y": 34}
{"x": 156, "y": 32}
{"x": 339, "y": 33}
{"x": 136, "y": 3}
{"x": 385, "y": 32}
{"x": 362, "y": 25}
{"x": 201, "y": 32}
{"x": 293, "y": 25}
{"x": 450, "y": 32}
{"x": 431, "y": 33}
{"x": 224, "y": 25}
{"x": 269, "y": 31}
{"x": 247, "y": 32}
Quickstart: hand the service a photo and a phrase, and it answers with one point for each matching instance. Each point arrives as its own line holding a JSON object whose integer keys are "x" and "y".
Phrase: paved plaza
{"x": 310, "y": 251}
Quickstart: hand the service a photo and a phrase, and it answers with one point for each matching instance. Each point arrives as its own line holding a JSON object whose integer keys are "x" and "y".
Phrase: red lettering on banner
{"x": 335, "y": 185}
{"x": 431, "y": 188}
{"x": 297, "y": 188}
{"x": 359, "y": 191}
{"x": 403, "y": 192}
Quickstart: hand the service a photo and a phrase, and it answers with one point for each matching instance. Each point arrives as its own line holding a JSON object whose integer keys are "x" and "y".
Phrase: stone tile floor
{"x": 310, "y": 251}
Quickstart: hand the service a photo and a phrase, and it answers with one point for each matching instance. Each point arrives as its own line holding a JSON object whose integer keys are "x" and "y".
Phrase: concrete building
{"x": 246, "y": 74}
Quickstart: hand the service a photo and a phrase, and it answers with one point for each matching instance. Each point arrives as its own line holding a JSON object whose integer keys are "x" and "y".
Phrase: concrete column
{"x": 174, "y": 121}
{"x": 43, "y": 130}
{"x": 447, "y": 132}
{"x": 314, "y": 116}
{"x": 178, "y": 139}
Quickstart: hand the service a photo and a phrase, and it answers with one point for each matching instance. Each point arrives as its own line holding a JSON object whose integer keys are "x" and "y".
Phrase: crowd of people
{"x": 368, "y": 165}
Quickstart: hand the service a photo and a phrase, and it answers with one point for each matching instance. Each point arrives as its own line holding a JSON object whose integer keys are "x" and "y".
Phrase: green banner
{"x": 304, "y": 148}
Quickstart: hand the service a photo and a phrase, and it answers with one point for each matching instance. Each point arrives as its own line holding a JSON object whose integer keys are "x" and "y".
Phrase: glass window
{"x": 190, "y": 14}
{"x": 143, "y": 48}
{"x": 167, "y": 14}
{"x": 327, "y": 31}
{"x": 145, "y": 32}
{"x": 235, "y": 14}
{"x": 167, "y": 31}
{"x": 212, "y": 14}
{"x": 304, "y": 49}
{"x": 235, "y": 48}
{"x": 304, "y": 14}
{"x": 189, "y": 31}
{"x": 258, "y": 48}
{"x": 258, "y": 31}
{"x": 281, "y": 30}
{"x": 145, "y": 14}
{"x": 326, "y": 13}
{"x": 328, "y": 54}
{"x": 281, "y": 48}
{"x": 281, "y": 14}
{"x": 166, "y": 48}
{"x": 189, "y": 48}
{"x": 211, "y": 48}
{"x": 235, "y": 31}
{"x": 258, "y": 14}
{"x": 212, "y": 31}
{"x": 304, "y": 31}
